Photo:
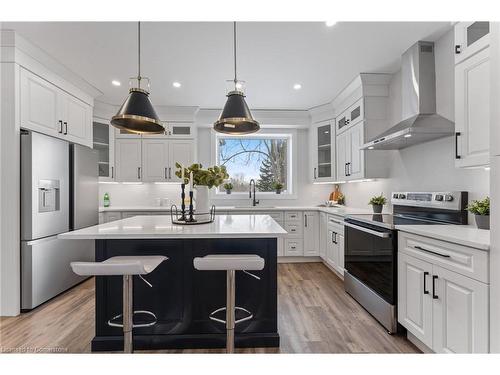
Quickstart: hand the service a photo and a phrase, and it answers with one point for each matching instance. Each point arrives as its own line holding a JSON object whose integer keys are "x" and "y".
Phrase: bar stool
{"x": 230, "y": 263}
{"x": 126, "y": 266}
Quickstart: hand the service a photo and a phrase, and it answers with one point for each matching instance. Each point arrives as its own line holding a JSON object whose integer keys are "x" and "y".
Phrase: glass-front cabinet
{"x": 324, "y": 157}
{"x": 470, "y": 38}
{"x": 103, "y": 142}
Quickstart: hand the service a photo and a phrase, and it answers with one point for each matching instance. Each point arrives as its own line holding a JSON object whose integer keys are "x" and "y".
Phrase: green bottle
{"x": 106, "y": 200}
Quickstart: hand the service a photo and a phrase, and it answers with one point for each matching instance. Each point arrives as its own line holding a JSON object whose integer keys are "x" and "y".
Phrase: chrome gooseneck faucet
{"x": 254, "y": 202}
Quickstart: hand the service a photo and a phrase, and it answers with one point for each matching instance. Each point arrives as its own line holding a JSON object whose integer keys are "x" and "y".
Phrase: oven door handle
{"x": 370, "y": 231}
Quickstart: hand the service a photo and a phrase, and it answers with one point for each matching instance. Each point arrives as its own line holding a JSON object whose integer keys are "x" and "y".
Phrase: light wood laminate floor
{"x": 315, "y": 316}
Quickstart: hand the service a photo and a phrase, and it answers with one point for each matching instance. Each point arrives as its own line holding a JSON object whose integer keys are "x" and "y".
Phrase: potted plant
{"x": 377, "y": 203}
{"x": 203, "y": 180}
{"x": 278, "y": 186}
{"x": 228, "y": 186}
{"x": 481, "y": 211}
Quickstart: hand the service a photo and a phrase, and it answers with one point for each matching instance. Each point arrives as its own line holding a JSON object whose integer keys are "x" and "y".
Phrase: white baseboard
{"x": 419, "y": 344}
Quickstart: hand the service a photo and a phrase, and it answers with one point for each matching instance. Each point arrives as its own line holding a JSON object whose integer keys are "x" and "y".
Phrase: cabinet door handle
{"x": 334, "y": 237}
{"x": 425, "y": 286}
{"x": 457, "y": 134}
{"x": 434, "y": 295}
{"x": 112, "y": 172}
{"x": 314, "y": 173}
{"x": 166, "y": 173}
{"x": 457, "y": 49}
{"x": 60, "y": 126}
{"x": 345, "y": 169}
{"x": 139, "y": 173}
{"x": 432, "y": 252}
{"x": 170, "y": 172}
{"x": 305, "y": 221}
{"x": 65, "y": 128}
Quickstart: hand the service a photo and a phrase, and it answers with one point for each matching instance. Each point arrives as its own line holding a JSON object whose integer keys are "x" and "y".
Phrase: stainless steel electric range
{"x": 371, "y": 247}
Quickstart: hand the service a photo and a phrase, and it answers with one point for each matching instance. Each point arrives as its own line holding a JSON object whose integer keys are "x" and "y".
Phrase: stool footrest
{"x": 244, "y": 319}
{"x": 113, "y": 321}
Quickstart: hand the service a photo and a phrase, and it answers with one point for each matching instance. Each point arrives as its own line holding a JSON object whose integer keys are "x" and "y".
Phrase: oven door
{"x": 370, "y": 256}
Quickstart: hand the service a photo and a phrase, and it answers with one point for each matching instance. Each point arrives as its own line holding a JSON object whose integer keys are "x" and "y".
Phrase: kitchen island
{"x": 181, "y": 297}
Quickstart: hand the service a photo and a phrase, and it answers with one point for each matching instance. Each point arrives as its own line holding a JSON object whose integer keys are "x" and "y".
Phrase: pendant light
{"x": 236, "y": 117}
{"x": 137, "y": 115}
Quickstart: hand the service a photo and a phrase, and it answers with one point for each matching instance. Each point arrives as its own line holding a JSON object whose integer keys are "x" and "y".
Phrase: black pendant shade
{"x": 236, "y": 117}
{"x": 137, "y": 114}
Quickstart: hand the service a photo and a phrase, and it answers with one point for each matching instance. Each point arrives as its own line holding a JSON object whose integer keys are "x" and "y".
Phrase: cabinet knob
{"x": 457, "y": 49}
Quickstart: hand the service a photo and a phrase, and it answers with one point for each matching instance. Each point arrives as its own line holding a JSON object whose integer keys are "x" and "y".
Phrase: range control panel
{"x": 450, "y": 200}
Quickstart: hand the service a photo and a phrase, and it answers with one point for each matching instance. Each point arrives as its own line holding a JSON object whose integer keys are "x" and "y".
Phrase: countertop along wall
{"x": 429, "y": 166}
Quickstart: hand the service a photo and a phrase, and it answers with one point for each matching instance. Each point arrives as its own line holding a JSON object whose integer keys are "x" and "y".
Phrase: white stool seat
{"x": 120, "y": 265}
{"x": 229, "y": 262}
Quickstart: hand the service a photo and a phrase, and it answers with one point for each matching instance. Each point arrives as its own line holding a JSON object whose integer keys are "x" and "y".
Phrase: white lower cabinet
{"x": 323, "y": 233}
{"x": 414, "y": 298}
{"x": 460, "y": 314}
{"x": 441, "y": 307}
{"x": 311, "y": 234}
{"x": 335, "y": 244}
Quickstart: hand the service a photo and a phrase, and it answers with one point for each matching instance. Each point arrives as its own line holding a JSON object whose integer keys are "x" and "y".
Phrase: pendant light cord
{"x": 139, "y": 53}
{"x": 234, "y": 46}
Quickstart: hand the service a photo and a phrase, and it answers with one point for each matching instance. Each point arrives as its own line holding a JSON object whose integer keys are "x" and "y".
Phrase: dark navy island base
{"x": 182, "y": 298}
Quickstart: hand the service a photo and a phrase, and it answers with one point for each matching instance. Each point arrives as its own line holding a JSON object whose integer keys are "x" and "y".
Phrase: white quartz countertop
{"x": 160, "y": 226}
{"x": 465, "y": 235}
{"x": 338, "y": 210}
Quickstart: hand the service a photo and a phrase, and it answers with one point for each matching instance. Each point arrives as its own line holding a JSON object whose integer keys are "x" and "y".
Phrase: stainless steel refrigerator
{"x": 59, "y": 193}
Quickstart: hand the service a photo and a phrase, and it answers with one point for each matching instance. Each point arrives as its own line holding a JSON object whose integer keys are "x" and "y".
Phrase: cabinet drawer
{"x": 294, "y": 229}
{"x": 293, "y": 215}
{"x": 293, "y": 247}
{"x": 336, "y": 224}
{"x": 464, "y": 260}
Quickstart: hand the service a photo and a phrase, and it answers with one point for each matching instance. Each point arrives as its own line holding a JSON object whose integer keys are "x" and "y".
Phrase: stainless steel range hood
{"x": 421, "y": 122}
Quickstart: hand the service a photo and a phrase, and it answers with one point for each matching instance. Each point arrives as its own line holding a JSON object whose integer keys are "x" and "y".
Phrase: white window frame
{"x": 291, "y": 192}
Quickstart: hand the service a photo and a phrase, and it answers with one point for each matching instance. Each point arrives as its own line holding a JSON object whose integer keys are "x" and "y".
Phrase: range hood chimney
{"x": 420, "y": 122}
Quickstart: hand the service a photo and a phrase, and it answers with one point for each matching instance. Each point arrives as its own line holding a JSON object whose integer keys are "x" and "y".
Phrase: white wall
{"x": 428, "y": 166}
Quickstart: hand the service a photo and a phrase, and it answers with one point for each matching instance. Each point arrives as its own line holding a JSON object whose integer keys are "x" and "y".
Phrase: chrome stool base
{"x": 237, "y": 308}
{"x": 113, "y": 321}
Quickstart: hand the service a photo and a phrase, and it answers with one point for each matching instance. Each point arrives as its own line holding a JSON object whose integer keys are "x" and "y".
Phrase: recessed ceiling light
{"x": 371, "y": 148}
{"x": 407, "y": 135}
{"x": 176, "y": 84}
{"x": 297, "y": 86}
{"x": 330, "y": 23}
{"x": 116, "y": 83}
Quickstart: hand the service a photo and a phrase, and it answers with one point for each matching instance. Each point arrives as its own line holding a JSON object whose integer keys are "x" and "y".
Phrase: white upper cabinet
{"x": 324, "y": 151}
{"x": 350, "y": 117}
{"x": 40, "y": 104}
{"x": 182, "y": 152}
{"x": 155, "y": 163}
{"x": 151, "y": 159}
{"x": 77, "y": 119}
{"x": 470, "y": 38}
{"x": 128, "y": 160}
{"x": 472, "y": 103}
{"x": 350, "y": 158}
{"x": 104, "y": 143}
{"x": 47, "y": 109}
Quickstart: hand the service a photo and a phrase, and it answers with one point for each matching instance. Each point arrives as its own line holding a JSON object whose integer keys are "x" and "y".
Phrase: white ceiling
{"x": 272, "y": 57}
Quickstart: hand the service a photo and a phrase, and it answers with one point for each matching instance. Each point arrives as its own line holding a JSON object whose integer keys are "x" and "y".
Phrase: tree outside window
{"x": 264, "y": 159}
